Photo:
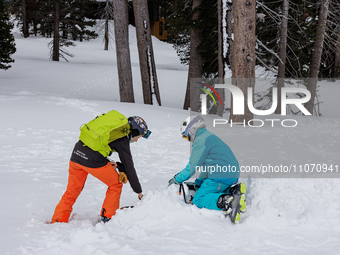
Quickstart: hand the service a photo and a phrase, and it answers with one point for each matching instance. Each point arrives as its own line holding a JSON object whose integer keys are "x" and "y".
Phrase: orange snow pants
{"x": 76, "y": 181}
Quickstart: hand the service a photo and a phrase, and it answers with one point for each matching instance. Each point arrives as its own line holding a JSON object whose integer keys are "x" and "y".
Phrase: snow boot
{"x": 105, "y": 219}
{"x": 223, "y": 203}
{"x": 231, "y": 205}
{"x": 240, "y": 189}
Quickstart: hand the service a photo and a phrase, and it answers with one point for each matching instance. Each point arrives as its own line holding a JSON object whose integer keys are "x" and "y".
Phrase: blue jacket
{"x": 212, "y": 158}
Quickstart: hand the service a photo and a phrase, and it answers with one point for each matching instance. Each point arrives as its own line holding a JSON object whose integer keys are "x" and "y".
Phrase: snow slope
{"x": 42, "y": 106}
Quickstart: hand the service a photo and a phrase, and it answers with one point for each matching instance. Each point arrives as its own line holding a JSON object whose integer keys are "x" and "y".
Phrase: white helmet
{"x": 190, "y": 126}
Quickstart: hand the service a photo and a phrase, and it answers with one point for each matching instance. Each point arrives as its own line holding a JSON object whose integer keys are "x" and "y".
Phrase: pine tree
{"x": 60, "y": 19}
{"x": 178, "y": 18}
{"x": 177, "y": 15}
{"x": 64, "y": 19}
{"x": 7, "y": 44}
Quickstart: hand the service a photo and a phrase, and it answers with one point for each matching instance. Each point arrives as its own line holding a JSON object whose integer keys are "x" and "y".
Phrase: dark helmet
{"x": 138, "y": 127}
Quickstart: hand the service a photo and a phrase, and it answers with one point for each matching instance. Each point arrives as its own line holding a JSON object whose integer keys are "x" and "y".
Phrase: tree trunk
{"x": 120, "y": 15}
{"x": 64, "y": 31}
{"x": 106, "y": 35}
{"x": 145, "y": 50}
{"x": 225, "y": 46}
{"x": 316, "y": 58}
{"x": 74, "y": 31}
{"x": 244, "y": 52}
{"x": 282, "y": 54}
{"x": 24, "y": 20}
{"x": 192, "y": 95}
{"x": 336, "y": 74}
{"x": 221, "y": 63}
{"x": 35, "y": 26}
{"x": 230, "y": 42}
{"x": 56, "y": 33}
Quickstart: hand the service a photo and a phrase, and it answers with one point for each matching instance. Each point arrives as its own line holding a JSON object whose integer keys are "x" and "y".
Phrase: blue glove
{"x": 173, "y": 181}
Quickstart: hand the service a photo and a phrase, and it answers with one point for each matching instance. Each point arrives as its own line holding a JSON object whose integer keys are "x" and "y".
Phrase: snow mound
{"x": 291, "y": 210}
{"x": 161, "y": 215}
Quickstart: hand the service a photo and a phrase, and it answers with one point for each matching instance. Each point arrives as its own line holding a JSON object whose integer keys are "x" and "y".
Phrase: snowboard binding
{"x": 188, "y": 190}
{"x": 239, "y": 189}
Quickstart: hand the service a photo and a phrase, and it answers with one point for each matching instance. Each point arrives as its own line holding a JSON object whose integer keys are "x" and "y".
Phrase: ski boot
{"x": 105, "y": 219}
{"x": 231, "y": 205}
{"x": 223, "y": 203}
{"x": 240, "y": 189}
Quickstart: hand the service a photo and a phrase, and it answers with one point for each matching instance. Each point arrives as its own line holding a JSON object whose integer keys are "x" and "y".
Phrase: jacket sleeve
{"x": 122, "y": 146}
{"x": 184, "y": 174}
{"x": 198, "y": 155}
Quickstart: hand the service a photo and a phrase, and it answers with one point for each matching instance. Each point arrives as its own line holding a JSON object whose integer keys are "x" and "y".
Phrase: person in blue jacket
{"x": 218, "y": 168}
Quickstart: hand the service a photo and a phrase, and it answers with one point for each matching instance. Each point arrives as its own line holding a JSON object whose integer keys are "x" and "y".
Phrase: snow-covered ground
{"x": 43, "y": 104}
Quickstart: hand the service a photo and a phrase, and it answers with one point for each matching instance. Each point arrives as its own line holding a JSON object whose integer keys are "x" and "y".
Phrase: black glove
{"x": 122, "y": 175}
{"x": 120, "y": 167}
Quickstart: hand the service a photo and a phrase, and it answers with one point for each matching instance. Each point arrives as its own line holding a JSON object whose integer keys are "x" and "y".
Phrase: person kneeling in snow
{"x": 218, "y": 167}
{"x": 86, "y": 161}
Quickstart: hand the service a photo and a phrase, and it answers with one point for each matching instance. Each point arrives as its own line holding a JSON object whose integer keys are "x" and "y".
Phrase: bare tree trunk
{"x": 225, "y": 45}
{"x": 221, "y": 62}
{"x": 282, "y": 54}
{"x": 337, "y": 57}
{"x": 74, "y": 29}
{"x": 35, "y": 28}
{"x": 145, "y": 50}
{"x": 230, "y": 33}
{"x": 24, "y": 19}
{"x": 244, "y": 52}
{"x": 106, "y": 35}
{"x": 316, "y": 58}
{"x": 120, "y": 15}
{"x": 192, "y": 95}
{"x": 230, "y": 42}
{"x": 64, "y": 31}
{"x": 56, "y": 36}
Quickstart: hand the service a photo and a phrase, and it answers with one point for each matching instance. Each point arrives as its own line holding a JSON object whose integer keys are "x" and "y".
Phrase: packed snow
{"x": 43, "y": 104}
